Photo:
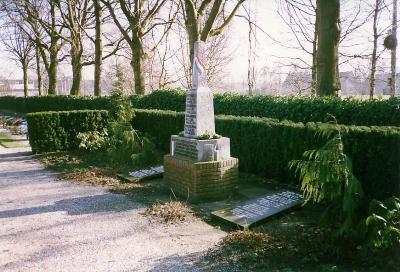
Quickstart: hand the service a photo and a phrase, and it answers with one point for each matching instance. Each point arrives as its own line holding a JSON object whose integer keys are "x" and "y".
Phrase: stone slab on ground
{"x": 248, "y": 213}
{"x": 143, "y": 174}
{"x": 51, "y": 225}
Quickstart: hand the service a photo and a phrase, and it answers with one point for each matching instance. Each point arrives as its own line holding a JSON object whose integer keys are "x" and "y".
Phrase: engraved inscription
{"x": 252, "y": 211}
{"x": 187, "y": 149}
{"x": 190, "y": 115}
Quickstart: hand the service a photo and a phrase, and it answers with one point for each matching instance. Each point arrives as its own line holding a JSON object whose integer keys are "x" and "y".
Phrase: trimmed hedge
{"x": 303, "y": 109}
{"x": 55, "y": 131}
{"x": 298, "y": 109}
{"x": 53, "y": 103}
{"x": 265, "y": 146}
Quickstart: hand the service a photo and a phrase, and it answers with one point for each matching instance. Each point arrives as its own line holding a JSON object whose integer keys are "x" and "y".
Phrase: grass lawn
{"x": 294, "y": 241}
{"x": 8, "y": 142}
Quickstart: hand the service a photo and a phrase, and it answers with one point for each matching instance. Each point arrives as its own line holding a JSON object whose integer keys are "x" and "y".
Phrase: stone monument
{"x": 200, "y": 165}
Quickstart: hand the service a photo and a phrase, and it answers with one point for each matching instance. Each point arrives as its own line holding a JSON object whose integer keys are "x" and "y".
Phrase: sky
{"x": 268, "y": 51}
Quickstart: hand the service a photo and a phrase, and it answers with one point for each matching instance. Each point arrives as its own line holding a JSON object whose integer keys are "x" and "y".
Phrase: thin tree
{"x": 98, "y": 13}
{"x": 20, "y": 48}
{"x": 301, "y": 17}
{"x": 377, "y": 10}
{"x": 394, "y": 51}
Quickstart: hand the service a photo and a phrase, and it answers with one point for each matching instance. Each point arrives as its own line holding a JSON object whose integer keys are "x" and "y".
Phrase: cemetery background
{"x": 94, "y": 168}
{"x": 348, "y": 169}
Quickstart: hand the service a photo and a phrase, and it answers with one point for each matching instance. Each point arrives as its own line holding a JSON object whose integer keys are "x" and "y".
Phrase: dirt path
{"x": 50, "y": 225}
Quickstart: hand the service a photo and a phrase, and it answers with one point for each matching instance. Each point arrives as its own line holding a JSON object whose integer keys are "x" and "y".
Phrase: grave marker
{"x": 248, "y": 213}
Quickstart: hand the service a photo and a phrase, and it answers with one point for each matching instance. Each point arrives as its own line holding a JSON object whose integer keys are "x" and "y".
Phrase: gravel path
{"x": 50, "y": 225}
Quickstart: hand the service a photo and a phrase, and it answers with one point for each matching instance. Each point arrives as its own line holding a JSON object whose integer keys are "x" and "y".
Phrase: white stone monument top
{"x": 199, "y": 114}
{"x": 199, "y": 76}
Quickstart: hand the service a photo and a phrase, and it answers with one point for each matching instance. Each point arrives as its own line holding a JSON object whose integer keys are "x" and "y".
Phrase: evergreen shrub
{"x": 55, "y": 131}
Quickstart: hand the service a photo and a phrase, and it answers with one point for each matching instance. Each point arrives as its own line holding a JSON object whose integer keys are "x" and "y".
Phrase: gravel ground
{"x": 51, "y": 225}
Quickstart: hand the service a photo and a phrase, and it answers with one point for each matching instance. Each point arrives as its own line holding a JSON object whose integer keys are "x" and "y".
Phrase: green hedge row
{"x": 298, "y": 109}
{"x": 303, "y": 109}
{"x": 55, "y": 131}
{"x": 53, "y": 103}
{"x": 265, "y": 146}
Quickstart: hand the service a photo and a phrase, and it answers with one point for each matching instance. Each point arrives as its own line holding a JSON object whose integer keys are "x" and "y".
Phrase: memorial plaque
{"x": 251, "y": 212}
{"x": 185, "y": 148}
{"x": 143, "y": 174}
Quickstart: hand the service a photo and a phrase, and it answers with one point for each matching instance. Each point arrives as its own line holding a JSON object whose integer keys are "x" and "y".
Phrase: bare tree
{"x": 41, "y": 23}
{"x": 207, "y": 11}
{"x": 377, "y": 10}
{"x": 20, "y": 48}
{"x": 75, "y": 16}
{"x": 301, "y": 17}
{"x": 142, "y": 18}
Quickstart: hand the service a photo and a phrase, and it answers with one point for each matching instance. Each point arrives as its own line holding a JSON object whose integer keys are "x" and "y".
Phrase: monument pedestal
{"x": 201, "y": 169}
{"x": 196, "y": 181}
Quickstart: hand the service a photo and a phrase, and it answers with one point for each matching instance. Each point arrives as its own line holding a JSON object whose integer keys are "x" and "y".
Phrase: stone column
{"x": 199, "y": 114}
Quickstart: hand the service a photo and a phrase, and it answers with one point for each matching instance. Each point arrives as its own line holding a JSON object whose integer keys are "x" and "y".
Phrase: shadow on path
{"x": 26, "y": 154}
{"x": 76, "y": 206}
{"x": 22, "y": 174}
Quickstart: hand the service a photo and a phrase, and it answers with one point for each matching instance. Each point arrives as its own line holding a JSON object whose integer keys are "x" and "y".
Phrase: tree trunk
{"x": 136, "y": 63}
{"x": 192, "y": 29}
{"x": 373, "y": 57}
{"x": 393, "y": 55}
{"x": 76, "y": 63}
{"x": 328, "y": 82}
{"x": 25, "y": 73}
{"x": 98, "y": 49}
{"x": 52, "y": 71}
{"x": 76, "y": 76}
{"x": 53, "y": 52}
{"x": 314, "y": 57}
{"x": 38, "y": 71}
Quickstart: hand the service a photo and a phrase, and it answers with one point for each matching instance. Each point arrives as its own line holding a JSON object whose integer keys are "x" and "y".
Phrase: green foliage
{"x": 55, "y": 131}
{"x": 383, "y": 225}
{"x": 53, "y": 103}
{"x": 118, "y": 84}
{"x": 266, "y": 146}
{"x": 123, "y": 139}
{"x": 93, "y": 140}
{"x": 126, "y": 145}
{"x": 349, "y": 111}
{"x": 326, "y": 176}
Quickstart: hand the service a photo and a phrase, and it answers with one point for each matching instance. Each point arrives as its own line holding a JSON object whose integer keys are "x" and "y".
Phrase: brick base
{"x": 201, "y": 180}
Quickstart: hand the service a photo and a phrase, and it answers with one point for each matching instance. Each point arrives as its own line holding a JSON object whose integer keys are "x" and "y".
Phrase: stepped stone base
{"x": 194, "y": 180}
